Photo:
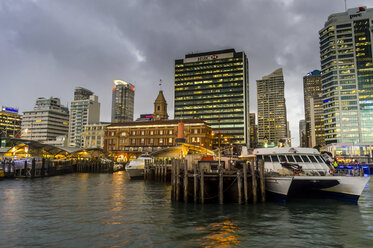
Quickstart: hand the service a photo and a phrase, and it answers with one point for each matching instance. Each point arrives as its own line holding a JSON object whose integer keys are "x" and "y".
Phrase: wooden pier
{"x": 207, "y": 181}
{"x": 41, "y": 167}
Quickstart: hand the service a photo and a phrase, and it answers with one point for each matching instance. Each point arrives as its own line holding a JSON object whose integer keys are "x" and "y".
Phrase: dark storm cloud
{"x": 48, "y": 47}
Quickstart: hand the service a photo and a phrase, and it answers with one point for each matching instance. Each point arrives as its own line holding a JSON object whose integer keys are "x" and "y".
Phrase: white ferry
{"x": 299, "y": 171}
{"x": 135, "y": 168}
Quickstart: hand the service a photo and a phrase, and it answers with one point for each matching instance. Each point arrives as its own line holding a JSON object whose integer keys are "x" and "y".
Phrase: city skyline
{"x": 50, "y": 58}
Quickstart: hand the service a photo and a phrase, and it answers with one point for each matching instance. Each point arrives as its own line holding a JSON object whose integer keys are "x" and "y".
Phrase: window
{"x": 282, "y": 158}
{"x": 152, "y": 132}
{"x": 267, "y": 158}
{"x": 160, "y": 141}
{"x": 290, "y": 159}
{"x": 170, "y": 140}
{"x": 298, "y": 158}
{"x": 312, "y": 158}
{"x": 159, "y": 108}
{"x": 170, "y": 132}
{"x": 133, "y": 141}
{"x": 305, "y": 159}
{"x": 123, "y": 134}
{"x": 142, "y": 140}
{"x": 274, "y": 158}
{"x": 161, "y": 132}
{"x": 151, "y": 141}
{"x": 142, "y": 132}
{"x": 133, "y": 132}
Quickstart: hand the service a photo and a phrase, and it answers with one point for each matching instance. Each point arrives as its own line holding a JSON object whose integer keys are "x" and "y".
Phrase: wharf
{"x": 207, "y": 182}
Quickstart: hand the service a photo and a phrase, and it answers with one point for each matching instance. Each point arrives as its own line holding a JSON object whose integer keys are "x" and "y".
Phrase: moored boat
{"x": 293, "y": 172}
{"x": 135, "y": 168}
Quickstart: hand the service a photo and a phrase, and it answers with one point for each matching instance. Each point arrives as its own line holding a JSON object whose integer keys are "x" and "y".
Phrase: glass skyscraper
{"x": 122, "y": 108}
{"x": 214, "y": 87}
{"x": 347, "y": 76}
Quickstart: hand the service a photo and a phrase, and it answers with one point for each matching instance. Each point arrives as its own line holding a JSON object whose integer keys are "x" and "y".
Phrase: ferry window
{"x": 312, "y": 158}
{"x": 290, "y": 159}
{"x": 297, "y": 158}
{"x": 319, "y": 159}
{"x": 305, "y": 159}
{"x": 282, "y": 158}
{"x": 267, "y": 158}
{"x": 274, "y": 158}
{"x": 259, "y": 157}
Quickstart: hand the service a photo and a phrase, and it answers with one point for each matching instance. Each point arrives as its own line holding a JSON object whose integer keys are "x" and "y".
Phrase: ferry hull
{"x": 278, "y": 187}
{"x": 135, "y": 173}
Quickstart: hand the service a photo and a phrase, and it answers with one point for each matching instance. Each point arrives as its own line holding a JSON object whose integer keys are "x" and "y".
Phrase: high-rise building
{"x": 214, "y": 87}
{"x": 10, "y": 122}
{"x": 272, "y": 121}
{"x": 122, "y": 108}
{"x": 84, "y": 110}
{"x": 302, "y": 133}
{"x": 48, "y": 120}
{"x": 253, "y": 131}
{"x": 347, "y": 76}
{"x": 313, "y": 109}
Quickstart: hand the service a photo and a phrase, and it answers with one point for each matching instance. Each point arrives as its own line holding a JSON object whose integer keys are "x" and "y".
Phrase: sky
{"x": 49, "y": 47}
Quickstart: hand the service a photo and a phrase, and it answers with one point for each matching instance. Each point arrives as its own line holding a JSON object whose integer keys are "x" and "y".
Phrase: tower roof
{"x": 160, "y": 97}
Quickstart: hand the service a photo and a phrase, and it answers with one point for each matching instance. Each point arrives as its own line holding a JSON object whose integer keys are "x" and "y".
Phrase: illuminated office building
{"x": 313, "y": 109}
{"x": 214, "y": 87}
{"x": 84, "y": 110}
{"x": 347, "y": 76}
{"x": 272, "y": 121}
{"x": 48, "y": 120}
{"x": 10, "y": 122}
{"x": 122, "y": 108}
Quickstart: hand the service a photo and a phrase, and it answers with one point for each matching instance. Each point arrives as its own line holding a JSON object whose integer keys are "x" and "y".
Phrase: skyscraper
{"x": 122, "y": 108}
{"x": 272, "y": 121}
{"x": 253, "y": 131}
{"x": 214, "y": 87}
{"x": 48, "y": 120}
{"x": 84, "y": 110}
{"x": 10, "y": 122}
{"x": 347, "y": 76}
{"x": 302, "y": 133}
{"x": 313, "y": 109}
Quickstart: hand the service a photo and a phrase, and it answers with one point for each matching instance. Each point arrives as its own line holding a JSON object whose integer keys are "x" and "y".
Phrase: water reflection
{"x": 223, "y": 234}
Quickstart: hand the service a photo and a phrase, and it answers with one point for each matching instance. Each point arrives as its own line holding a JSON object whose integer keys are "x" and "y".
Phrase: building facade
{"x": 313, "y": 109}
{"x": 272, "y": 121}
{"x": 154, "y": 135}
{"x": 84, "y": 110}
{"x": 347, "y": 76}
{"x": 10, "y": 122}
{"x": 94, "y": 135}
{"x": 302, "y": 134}
{"x": 123, "y": 99}
{"x": 48, "y": 120}
{"x": 214, "y": 87}
{"x": 253, "y": 131}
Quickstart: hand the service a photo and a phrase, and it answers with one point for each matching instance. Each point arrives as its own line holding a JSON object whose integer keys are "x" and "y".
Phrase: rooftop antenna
{"x": 345, "y": 5}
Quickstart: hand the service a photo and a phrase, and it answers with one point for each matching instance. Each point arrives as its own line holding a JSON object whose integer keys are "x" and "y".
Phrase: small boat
{"x": 293, "y": 172}
{"x": 135, "y": 168}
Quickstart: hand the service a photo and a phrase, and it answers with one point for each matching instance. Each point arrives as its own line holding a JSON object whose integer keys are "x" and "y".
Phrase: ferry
{"x": 135, "y": 168}
{"x": 292, "y": 172}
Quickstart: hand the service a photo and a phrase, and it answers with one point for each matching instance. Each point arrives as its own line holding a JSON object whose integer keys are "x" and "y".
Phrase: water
{"x": 103, "y": 210}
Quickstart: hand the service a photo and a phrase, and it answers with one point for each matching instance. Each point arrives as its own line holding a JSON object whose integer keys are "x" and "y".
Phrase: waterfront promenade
{"x": 109, "y": 210}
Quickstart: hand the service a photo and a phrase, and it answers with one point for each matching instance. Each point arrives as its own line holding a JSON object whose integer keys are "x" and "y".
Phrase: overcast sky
{"x": 48, "y": 47}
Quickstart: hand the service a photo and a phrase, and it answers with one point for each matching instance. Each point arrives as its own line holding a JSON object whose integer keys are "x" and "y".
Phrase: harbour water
{"x": 109, "y": 210}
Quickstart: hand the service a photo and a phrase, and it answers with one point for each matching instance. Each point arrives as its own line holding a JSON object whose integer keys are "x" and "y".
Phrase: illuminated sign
{"x": 7, "y": 109}
{"x": 209, "y": 57}
{"x": 356, "y": 12}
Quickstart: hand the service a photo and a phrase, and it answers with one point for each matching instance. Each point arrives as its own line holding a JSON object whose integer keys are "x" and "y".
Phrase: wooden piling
{"x": 202, "y": 195}
{"x": 239, "y": 187}
{"x": 195, "y": 181}
{"x": 221, "y": 185}
{"x": 185, "y": 181}
{"x": 178, "y": 180}
{"x": 245, "y": 186}
{"x": 262, "y": 180}
{"x": 253, "y": 182}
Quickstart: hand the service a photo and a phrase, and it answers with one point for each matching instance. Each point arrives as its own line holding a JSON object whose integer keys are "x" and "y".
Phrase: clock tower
{"x": 160, "y": 107}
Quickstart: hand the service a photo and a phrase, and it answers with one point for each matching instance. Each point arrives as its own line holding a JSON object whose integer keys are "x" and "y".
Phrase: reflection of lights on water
{"x": 223, "y": 234}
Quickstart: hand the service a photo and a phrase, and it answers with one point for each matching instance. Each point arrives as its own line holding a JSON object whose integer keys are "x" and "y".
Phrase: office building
{"x": 302, "y": 134}
{"x": 347, "y": 76}
{"x": 10, "y": 123}
{"x": 94, "y": 135}
{"x": 123, "y": 98}
{"x": 84, "y": 110}
{"x": 253, "y": 131}
{"x": 272, "y": 121}
{"x": 214, "y": 87}
{"x": 313, "y": 109}
{"x": 48, "y": 120}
